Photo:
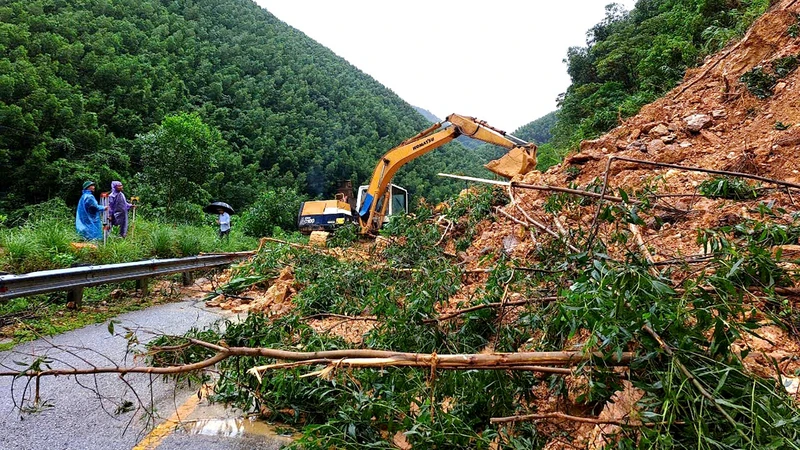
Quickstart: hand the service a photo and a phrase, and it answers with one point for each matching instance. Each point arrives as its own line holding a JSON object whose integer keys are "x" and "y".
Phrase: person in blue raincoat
{"x": 88, "y": 222}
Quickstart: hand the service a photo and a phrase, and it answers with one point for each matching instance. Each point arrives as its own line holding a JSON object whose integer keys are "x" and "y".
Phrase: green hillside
{"x": 632, "y": 58}
{"x": 538, "y": 131}
{"x": 85, "y": 86}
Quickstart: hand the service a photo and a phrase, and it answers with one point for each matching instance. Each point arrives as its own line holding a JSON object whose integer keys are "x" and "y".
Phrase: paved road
{"x": 78, "y": 418}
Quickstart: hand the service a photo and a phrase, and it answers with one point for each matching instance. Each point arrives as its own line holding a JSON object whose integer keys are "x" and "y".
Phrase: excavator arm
{"x": 372, "y": 211}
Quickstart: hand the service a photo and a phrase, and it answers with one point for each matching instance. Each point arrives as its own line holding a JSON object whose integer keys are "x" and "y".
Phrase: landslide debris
{"x": 694, "y": 273}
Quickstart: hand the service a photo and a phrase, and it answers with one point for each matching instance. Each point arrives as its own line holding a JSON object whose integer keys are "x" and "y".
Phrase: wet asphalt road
{"x": 76, "y": 417}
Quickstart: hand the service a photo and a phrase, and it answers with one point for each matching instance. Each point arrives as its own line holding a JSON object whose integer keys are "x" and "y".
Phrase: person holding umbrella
{"x": 224, "y": 211}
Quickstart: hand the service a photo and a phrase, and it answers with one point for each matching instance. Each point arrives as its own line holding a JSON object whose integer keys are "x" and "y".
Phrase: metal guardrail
{"x": 76, "y": 278}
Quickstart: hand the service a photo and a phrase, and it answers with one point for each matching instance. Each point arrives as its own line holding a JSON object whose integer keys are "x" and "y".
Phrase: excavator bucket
{"x": 518, "y": 161}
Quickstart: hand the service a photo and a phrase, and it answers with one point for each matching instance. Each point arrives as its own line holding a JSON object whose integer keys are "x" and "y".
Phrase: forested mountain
{"x": 86, "y": 86}
{"x": 431, "y": 117}
{"x": 463, "y": 140}
{"x": 632, "y": 58}
{"x": 538, "y": 131}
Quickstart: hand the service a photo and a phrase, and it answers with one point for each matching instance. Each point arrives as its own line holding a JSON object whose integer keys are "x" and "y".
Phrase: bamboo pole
{"x": 563, "y": 190}
{"x": 713, "y": 171}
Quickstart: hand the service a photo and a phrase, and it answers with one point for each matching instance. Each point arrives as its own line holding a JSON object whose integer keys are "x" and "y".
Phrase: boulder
{"x": 697, "y": 122}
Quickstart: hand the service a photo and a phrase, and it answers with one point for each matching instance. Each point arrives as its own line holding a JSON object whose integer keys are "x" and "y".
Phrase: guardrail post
{"x": 144, "y": 285}
{"x": 187, "y": 278}
{"x": 75, "y": 296}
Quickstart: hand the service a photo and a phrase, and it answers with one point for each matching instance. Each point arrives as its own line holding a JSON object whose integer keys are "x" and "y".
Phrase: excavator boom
{"x": 372, "y": 210}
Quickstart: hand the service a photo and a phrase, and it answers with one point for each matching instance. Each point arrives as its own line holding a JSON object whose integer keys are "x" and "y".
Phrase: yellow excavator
{"x": 381, "y": 199}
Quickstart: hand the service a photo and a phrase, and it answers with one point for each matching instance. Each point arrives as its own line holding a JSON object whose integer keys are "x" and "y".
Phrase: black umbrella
{"x": 213, "y": 207}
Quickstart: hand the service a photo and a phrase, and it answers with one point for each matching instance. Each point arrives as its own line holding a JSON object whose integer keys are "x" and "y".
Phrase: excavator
{"x": 381, "y": 199}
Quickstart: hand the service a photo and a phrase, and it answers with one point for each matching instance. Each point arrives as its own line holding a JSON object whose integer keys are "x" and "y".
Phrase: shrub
{"x": 162, "y": 242}
{"x": 190, "y": 241}
{"x": 274, "y": 208}
{"x": 51, "y": 209}
{"x": 53, "y": 235}
{"x": 724, "y": 187}
{"x": 759, "y": 82}
{"x": 344, "y": 236}
{"x": 20, "y": 254}
{"x": 115, "y": 251}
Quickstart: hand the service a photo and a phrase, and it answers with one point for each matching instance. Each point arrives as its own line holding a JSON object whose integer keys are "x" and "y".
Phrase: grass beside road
{"x": 44, "y": 243}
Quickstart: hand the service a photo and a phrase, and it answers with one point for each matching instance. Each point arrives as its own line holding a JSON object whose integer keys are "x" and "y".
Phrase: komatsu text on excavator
{"x": 380, "y": 199}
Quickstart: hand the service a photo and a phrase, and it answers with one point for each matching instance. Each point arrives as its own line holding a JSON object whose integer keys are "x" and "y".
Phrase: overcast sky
{"x": 500, "y": 61}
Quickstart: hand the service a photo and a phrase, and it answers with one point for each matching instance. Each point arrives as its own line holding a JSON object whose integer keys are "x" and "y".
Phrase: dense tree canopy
{"x": 81, "y": 84}
{"x": 80, "y": 80}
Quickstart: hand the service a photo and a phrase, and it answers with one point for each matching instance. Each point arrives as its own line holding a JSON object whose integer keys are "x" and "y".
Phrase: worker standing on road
{"x": 87, "y": 218}
{"x": 118, "y": 207}
{"x": 224, "y": 222}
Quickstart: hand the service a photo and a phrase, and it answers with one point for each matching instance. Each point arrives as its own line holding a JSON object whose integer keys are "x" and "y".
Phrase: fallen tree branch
{"x": 643, "y": 248}
{"x": 556, "y": 415}
{"x": 577, "y": 192}
{"x": 169, "y": 370}
{"x": 540, "y": 225}
{"x": 357, "y": 358}
{"x": 446, "y": 230}
{"x": 340, "y": 316}
{"x": 382, "y": 359}
{"x": 513, "y": 219}
{"x": 689, "y": 376}
{"x": 560, "y": 415}
{"x": 697, "y": 259}
{"x": 594, "y": 226}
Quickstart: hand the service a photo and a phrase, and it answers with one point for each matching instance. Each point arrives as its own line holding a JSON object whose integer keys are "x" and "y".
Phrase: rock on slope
{"x": 711, "y": 121}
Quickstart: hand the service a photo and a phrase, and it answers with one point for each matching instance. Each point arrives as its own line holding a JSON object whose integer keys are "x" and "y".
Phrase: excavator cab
{"x": 398, "y": 202}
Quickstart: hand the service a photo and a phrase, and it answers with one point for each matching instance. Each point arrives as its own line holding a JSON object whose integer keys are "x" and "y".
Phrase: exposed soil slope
{"x": 710, "y": 121}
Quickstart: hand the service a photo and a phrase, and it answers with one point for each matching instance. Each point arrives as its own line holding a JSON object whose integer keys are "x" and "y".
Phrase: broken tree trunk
{"x": 357, "y": 359}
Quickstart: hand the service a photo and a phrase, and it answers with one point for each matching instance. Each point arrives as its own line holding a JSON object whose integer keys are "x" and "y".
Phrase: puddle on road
{"x": 214, "y": 419}
{"x": 233, "y": 427}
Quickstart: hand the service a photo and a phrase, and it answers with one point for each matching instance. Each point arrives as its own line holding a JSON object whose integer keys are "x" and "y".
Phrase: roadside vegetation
{"x": 43, "y": 238}
{"x": 44, "y": 241}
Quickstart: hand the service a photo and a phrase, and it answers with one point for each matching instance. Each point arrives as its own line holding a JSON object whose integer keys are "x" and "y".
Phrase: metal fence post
{"x": 75, "y": 296}
{"x": 187, "y": 278}
{"x": 144, "y": 285}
